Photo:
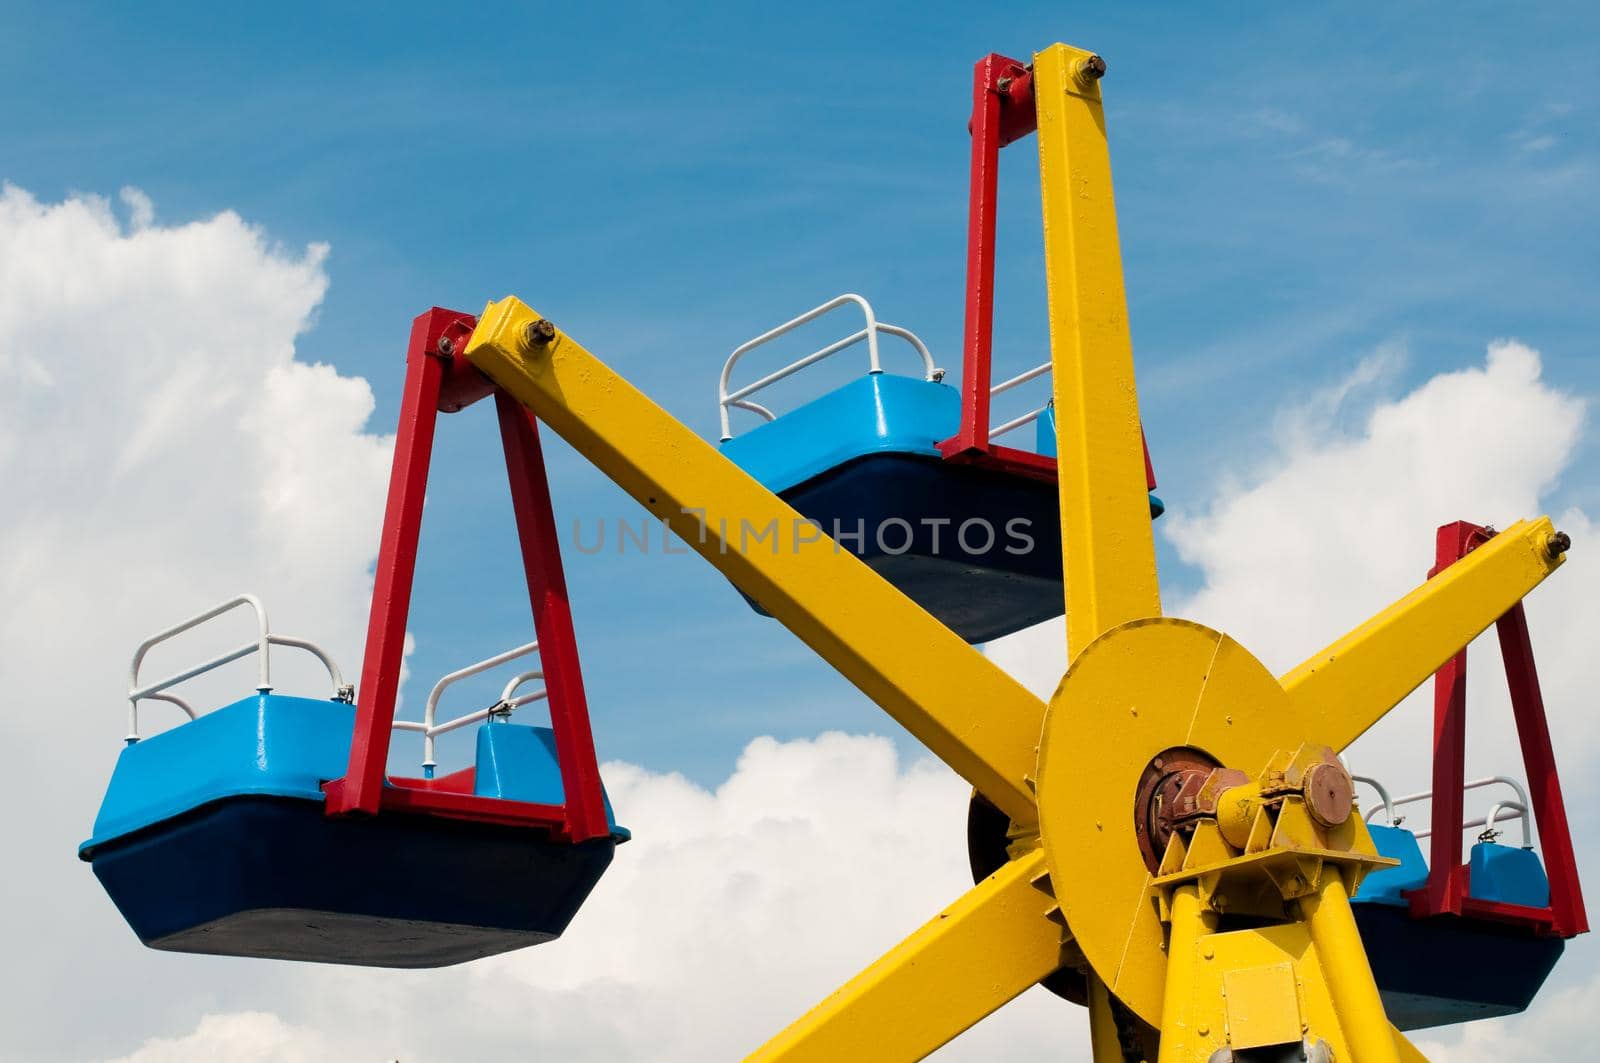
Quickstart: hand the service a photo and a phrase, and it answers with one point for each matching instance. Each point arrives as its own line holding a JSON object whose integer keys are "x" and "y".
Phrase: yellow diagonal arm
{"x": 960, "y": 705}
{"x": 1349, "y": 686}
{"x": 1107, "y": 549}
{"x": 973, "y": 957}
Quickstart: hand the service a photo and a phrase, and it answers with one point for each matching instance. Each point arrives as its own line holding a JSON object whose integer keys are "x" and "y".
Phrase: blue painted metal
{"x": 518, "y": 763}
{"x": 273, "y": 877}
{"x": 1446, "y": 969}
{"x": 879, "y": 413}
{"x": 212, "y": 838}
{"x": 1386, "y": 886}
{"x": 1507, "y": 874}
{"x": 864, "y": 460}
{"x": 265, "y": 744}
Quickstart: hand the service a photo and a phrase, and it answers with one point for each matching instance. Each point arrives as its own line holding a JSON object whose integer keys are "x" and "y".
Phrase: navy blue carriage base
{"x": 270, "y": 827}
{"x": 972, "y": 534}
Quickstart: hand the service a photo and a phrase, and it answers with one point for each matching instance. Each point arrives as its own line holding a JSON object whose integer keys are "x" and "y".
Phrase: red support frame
{"x": 1002, "y": 112}
{"x": 437, "y": 380}
{"x": 1446, "y": 892}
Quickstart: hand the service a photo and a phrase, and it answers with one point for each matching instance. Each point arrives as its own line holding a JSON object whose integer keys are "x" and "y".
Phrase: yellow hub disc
{"x": 1137, "y": 690}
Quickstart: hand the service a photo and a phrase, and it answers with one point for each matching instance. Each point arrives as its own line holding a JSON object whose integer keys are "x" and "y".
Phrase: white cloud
{"x": 242, "y": 1037}
{"x": 161, "y": 448}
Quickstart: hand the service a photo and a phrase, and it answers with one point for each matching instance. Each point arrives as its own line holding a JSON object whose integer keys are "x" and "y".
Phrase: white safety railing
{"x": 508, "y": 702}
{"x": 1518, "y": 808}
{"x": 261, "y": 646}
{"x": 727, "y": 400}
{"x": 995, "y": 431}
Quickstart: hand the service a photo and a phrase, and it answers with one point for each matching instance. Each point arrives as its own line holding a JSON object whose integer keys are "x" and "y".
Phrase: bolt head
{"x": 1329, "y": 793}
{"x": 446, "y": 347}
{"x": 1559, "y": 544}
{"x": 1092, "y": 68}
{"x": 539, "y": 333}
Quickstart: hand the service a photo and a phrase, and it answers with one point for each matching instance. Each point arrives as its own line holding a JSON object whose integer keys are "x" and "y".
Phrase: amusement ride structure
{"x": 1172, "y": 841}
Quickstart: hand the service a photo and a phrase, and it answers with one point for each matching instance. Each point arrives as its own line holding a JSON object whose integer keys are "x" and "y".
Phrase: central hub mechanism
{"x": 1182, "y": 787}
{"x": 1232, "y": 810}
{"x": 1166, "y": 798}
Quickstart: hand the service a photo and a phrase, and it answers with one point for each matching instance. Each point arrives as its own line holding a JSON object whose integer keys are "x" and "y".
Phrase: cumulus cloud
{"x": 241, "y": 1037}
{"x": 161, "y": 448}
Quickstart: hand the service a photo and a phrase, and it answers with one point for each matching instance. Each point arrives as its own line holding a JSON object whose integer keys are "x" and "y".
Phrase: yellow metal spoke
{"x": 1106, "y": 543}
{"x": 1349, "y": 686}
{"x": 968, "y": 712}
{"x": 982, "y": 951}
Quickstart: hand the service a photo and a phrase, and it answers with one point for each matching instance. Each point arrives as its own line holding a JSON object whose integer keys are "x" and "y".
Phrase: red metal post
{"x": 978, "y": 326}
{"x": 361, "y": 790}
{"x": 1544, "y": 785}
{"x": 552, "y": 620}
{"x": 1002, "y": 113}
{"x": 1446, "y": 875}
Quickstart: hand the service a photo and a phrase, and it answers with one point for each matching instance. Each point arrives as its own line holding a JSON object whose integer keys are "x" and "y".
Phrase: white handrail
{"x": 261, "y": 646}
{"x": 727, "y": 399}
{"x": 1017, "y": 422}
{"x": 1519, "y": 807}
{"x": 1383, "y": 795}
{"x": 430, "y": 729}
{"x": 1006, "y": 385}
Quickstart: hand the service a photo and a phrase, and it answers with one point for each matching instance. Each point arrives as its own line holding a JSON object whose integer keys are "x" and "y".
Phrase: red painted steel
{"x": 397, "y": 563}
{"x": 1447, "y": 878}
{"x": 1002, "y": 112}
{"x": 438, "y": 380}
{"x": 1446, "y": 892}
{"x": 978, "y": 328}
{"x": 1544, "y": 785}
{"x": 552, "y": 620}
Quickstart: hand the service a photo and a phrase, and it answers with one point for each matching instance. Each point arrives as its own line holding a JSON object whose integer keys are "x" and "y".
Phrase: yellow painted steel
{"x": 1332, "y": 927}
{"x": 1189, "y": 923}
{"x": 1349, "y": 686}
{"x": 1143, "y": 687}
{"x": 1105, "y": 1040}
{"x": 968, "y": 712}
{"x": 1106, "y": 544}
{"x": 1137, "y": 684}
{"x": 978, "y": 954}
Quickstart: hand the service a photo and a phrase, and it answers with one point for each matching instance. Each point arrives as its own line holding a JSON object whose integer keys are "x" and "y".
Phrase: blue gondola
{"x": 1445, "y": 969}
{"x": 977, "y": 546}
{"x": 213, "y": 838}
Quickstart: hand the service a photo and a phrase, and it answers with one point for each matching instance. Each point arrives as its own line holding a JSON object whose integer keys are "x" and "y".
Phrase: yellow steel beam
{"x": 1332, "y": 927}
{"x": 963, "y": 707}
{"x": 988, "y": 947}
{"x": 1107, "y": 549}
{"x": 1349, "y": 686}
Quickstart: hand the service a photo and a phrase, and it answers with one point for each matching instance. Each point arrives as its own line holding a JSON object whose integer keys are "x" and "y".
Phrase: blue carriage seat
{"x": 1446, "y": 969}
{"x": 978, "y": 547}
{"x": 212, "y": 838}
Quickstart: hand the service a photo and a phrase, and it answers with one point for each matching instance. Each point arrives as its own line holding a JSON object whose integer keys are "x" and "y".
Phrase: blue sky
{"x": 1297, "y": 189}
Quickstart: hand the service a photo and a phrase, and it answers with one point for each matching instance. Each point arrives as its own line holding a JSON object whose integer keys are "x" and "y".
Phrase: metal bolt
{"x": 1092, "y": 68}
{"x": 445, "y": 346}
{"x": 1559, "y": 544}
{"x": 538, "y": 333}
